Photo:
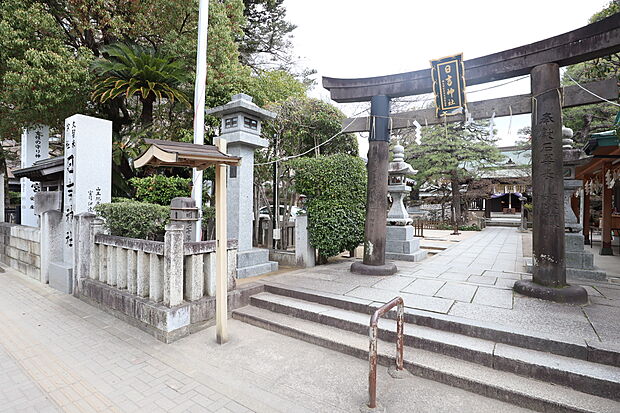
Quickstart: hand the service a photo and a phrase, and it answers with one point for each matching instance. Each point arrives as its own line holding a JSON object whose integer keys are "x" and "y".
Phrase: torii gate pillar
{"x": 377, "y": 191}
{"x": 549, "y": 267}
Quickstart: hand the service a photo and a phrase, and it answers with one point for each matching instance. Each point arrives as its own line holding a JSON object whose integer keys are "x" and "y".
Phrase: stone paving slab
{"x": 488, "y": 263}
{"x": 424, "y": 287}
{"x": 58, "y": 354}
{"x": 458, "y": 292}
{"x": 493, "y": 298}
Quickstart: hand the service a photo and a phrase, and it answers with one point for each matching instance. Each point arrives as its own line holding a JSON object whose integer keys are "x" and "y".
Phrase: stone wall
{"x": 20, "y": 248}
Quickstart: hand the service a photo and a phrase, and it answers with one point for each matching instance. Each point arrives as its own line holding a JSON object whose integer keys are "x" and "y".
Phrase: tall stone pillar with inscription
{"x": 34, "y": 147}
{"x": 87, "y": 183}
{"x": 375, "y": 230}
{"x": 549, "y": 266}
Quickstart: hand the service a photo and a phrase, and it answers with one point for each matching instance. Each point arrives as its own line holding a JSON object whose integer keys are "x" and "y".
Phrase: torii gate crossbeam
{"x": 542, "y": 61}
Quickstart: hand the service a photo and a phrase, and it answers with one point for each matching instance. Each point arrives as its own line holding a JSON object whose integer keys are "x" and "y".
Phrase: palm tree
{"x": 131, "y": 69}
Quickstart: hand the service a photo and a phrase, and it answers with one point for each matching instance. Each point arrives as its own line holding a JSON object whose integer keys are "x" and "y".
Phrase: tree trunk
{"x": 456, "y": 200}
{"x": 147, "y": 111}
{"x": 322, "y": 259}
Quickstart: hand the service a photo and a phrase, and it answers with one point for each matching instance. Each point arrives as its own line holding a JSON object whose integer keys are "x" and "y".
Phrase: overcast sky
{"x": 360, "y": 38}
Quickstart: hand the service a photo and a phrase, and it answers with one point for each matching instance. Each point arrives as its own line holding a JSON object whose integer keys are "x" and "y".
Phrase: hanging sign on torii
{"x": 448, "y": 74}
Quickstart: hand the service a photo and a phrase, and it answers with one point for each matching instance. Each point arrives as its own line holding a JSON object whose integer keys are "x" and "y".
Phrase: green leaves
{"x": 452, "y": 150}
{"x": 160, "y": 189}
{"x": 135, "y": 219}
{"x": 336, "y": 190}
{"x": 131, "y": 69}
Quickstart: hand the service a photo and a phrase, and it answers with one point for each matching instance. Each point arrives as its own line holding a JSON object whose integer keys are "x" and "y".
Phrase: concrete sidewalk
{"x": 59, "y": 354}
{"x": 473, "y": 280}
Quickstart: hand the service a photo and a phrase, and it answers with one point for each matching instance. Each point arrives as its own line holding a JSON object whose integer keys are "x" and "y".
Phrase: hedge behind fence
{"x": 135, "y": 219}
{"x": 160, "y": 189}
{"x": 336, "y": 190}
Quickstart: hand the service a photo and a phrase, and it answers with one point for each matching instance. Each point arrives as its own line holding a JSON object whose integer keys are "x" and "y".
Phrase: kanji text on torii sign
{"x": 449, "y": 84}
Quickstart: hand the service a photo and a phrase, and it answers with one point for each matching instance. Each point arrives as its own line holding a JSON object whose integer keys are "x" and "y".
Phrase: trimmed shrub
{"x": 160, "y": 189}
{"x": 335, "y": 187}
{"x": 135, "y": 219}
{"x": 473, "y": 227}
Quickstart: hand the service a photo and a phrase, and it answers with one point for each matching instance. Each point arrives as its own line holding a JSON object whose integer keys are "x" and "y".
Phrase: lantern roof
{"x": 241, "y": 103}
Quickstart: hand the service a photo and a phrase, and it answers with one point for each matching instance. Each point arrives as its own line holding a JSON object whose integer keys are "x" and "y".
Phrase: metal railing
{"x": 372, "y": 353}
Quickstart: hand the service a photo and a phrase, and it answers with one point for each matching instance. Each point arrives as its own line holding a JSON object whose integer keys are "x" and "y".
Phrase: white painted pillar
{"x": 221, "y": 294}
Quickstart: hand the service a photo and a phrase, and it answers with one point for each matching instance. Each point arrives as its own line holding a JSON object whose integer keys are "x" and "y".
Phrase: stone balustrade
{"x": 166, "y": 272}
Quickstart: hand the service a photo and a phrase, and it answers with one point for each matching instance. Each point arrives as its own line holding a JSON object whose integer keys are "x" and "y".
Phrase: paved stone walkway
{"x": 473, "y": 279}
{"x": 58, "y": 354}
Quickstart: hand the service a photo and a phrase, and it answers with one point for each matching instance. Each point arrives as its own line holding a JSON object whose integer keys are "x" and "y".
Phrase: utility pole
{"x": 199, "y": 107}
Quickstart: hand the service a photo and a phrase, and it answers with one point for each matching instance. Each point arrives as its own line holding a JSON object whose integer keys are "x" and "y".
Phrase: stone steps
{"x": 254, "y": 262}
{"x": 580, "y": 349}
{"x": 257, "y": 269}
{"x": 577, "y": 366}
{"x": 502, "y": 223}
{"x": 489, "y": 382}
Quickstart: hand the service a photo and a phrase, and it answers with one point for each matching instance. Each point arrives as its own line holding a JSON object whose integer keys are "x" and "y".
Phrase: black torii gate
{"x": 541, "y": 60}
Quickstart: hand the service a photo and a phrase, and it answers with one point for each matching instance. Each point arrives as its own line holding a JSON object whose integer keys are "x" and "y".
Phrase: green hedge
{"x": 135, "y": 219}
{"x": 336, "y": 204}
{"x": 473, "y": 227}
{"x": 160, "y": 189}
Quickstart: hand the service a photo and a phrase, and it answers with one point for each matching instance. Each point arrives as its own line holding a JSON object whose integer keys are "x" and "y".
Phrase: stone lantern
{"x": 241, "y": 127}
{"x": 400, "y": 242}
{"x": 579, "y": 261}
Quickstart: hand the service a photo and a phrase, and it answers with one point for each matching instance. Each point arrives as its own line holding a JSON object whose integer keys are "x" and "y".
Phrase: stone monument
{"x": 183, "y": 212}
{"x": 87, "y": 183}
{"x": 579, "y": 261}
{"x": 400, "y": 243}
{"x": 34, "y": 147}
{"x": 241, "y": 127}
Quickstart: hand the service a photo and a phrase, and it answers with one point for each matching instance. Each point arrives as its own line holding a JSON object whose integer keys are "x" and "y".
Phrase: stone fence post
{"x": 83, "y": 247}
{"x": 173, "y": 265}
{"x": 305, "y": 253}
{"x": 52, "y": 232}
{"x": 96, "y": 227}
{"x": 48, "y": 205}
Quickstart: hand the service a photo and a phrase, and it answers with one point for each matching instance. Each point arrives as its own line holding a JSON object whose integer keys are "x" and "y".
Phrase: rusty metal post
{"x": 400, "y": 339}
{"x": 372, "y": 375}
{"x": 372, "y": 351}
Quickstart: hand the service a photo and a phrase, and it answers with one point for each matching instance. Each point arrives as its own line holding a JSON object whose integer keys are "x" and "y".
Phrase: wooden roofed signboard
{"x": 168, "y": 153}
